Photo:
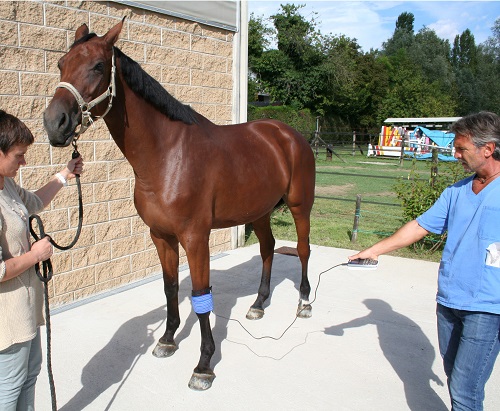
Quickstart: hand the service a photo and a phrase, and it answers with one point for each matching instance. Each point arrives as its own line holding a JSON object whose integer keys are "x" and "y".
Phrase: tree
{"x": 405, "y": 22}
{"x": 346, "y": 89}
{"x": 291, "y": 73}
{"x": 492, "y": 45}
{"x": 297, "y": 37}
{"x": 464, "y": 61}
{"x": 258, "y": 34}
{"x": 464, "y": 52}
{"x": 410, "y": 93}
{"x": 258, "y": 43}
{"x": 403, "y": 35}
{"x": 488, "y": 70}
{"x": 435, "y": 65}
{"x": 414, "y": 75}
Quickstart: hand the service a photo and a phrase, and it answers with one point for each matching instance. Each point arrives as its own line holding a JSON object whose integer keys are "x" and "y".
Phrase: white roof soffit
{"x": 422, "y": 120}
{"x": 215, "y": 13}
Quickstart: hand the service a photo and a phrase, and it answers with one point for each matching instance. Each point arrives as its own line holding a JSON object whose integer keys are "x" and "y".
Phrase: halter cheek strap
{"x": 86, "y": 107}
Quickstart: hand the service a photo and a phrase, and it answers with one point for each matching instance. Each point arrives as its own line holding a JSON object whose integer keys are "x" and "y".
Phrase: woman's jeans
{"x": 469, "y": 344}
{"x": 19, "y": 368}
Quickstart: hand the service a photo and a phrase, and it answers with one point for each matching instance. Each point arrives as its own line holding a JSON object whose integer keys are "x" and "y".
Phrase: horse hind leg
{"x": 262, "y": 228}
{"x": 303, "y": 227}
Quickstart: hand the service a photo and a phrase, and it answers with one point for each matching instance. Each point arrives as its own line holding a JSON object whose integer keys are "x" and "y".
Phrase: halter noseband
{"x": 86, "y": 107}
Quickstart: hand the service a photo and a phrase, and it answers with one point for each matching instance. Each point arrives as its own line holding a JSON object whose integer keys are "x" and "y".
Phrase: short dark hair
{"x": 481, "y": 128}
{"x": 13, "y": 132}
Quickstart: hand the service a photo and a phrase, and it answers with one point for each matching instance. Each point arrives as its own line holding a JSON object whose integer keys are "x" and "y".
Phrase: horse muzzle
{"x": 60, "y": 124}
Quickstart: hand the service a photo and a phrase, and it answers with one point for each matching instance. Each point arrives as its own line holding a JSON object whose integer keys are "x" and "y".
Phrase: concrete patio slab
{"x": 370, "y": 345}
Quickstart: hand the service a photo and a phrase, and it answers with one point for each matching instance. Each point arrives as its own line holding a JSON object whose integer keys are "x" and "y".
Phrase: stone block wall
{"x": 194, "y": 62}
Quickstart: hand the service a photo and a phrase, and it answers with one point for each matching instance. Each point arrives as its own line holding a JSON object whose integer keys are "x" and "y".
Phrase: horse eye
{"x": 99, "y": 67}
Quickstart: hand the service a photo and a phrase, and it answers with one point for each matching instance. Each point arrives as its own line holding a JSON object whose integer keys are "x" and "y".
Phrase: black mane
{"x": 152, "y": 91}
{"x": 83, "y": 39}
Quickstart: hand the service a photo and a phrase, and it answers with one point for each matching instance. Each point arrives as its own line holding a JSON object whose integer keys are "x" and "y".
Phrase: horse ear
{"x": 83, "y": 30}
{"x": 112, "y": 35}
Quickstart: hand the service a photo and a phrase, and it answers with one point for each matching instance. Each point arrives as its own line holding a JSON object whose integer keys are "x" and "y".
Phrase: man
{"x": 468, "y": 297}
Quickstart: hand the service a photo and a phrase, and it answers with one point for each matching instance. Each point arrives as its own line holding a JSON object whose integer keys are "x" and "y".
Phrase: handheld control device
{"x": 362, "y": 264}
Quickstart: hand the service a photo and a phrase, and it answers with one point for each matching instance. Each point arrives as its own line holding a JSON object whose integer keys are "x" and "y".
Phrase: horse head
{"x": 86, "y": 88}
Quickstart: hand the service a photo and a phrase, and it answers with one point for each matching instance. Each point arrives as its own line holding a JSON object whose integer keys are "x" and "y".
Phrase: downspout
{"x": 240, "y": 91}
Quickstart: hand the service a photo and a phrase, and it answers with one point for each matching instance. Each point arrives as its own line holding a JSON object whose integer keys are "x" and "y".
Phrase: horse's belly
{"x": 232, "y": 214}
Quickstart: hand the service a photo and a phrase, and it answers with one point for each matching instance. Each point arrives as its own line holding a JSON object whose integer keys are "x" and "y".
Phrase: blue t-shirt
{"x": 465, "y": 281}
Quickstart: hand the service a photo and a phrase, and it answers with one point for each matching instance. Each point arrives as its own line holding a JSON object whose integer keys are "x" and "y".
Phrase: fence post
{"x": 402, "y": 149}
{"x": 434, "y": 167}
{"x": 316, "y": 137}
{"x": 353, "y": 142}
{"x": 357, "y": 214}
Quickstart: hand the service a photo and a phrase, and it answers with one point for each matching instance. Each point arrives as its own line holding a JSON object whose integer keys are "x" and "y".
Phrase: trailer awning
{"x": 429, "y": 122}
{"x": 440, "y": 138}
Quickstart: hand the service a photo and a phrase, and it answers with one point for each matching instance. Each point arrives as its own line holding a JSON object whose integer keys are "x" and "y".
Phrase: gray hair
{"x": 481, "y": 128}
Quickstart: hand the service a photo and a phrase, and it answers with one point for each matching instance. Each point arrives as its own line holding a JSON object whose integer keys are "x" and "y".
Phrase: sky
{"x": 373, "y": 22}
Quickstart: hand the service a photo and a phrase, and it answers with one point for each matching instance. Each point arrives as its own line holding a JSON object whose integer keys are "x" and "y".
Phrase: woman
{"x": 21, "y": 292}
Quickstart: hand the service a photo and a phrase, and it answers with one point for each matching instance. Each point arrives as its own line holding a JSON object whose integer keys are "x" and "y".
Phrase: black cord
{"x": 296, "y": 316}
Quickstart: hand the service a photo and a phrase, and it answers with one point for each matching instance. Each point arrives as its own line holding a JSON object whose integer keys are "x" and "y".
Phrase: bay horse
{"x": 191, "y": 175}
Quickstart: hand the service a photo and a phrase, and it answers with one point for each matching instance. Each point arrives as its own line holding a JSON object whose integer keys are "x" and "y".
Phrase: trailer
{"x": 415, "y": 137}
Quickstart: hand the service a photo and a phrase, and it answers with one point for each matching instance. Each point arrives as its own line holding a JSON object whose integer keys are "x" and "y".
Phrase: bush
{"x": 417, "y": 195}
{"x": 300, "y": 120}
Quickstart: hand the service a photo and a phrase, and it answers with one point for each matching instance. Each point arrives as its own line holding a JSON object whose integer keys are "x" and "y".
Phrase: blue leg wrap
{"x": 202, "y": 303}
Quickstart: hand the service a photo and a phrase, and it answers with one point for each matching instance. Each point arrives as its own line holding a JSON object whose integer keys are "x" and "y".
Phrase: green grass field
{"x": 332, "y": 219}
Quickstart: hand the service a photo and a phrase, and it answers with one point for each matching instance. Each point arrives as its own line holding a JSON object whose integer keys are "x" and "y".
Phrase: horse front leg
{"x": 168, "y": 251}
{"x": 198, "y": 255}
{"x": 262, "y": 228}
{"x": 203, "y": 375}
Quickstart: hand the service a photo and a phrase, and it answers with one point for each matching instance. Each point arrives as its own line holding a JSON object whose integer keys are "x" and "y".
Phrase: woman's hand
{"x": 42, "y": 249}
{"x": 49, "y": 190}
{"x": 75, "y": 166}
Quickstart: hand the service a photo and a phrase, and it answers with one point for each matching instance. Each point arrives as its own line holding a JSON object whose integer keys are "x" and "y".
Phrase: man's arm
{"x": 408, "y": 234}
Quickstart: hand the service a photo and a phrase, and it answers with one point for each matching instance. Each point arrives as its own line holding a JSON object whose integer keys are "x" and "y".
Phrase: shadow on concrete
{"x": 116, "y": 360}
{"x": 407, "y": 349}
{"x": 228, "y": 286}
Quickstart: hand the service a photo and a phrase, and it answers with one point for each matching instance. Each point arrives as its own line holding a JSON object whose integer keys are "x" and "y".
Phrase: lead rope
{"x": 46, "y": 275}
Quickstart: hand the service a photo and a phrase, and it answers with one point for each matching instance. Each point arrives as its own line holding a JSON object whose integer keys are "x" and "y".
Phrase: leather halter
{"x": 86, "y": 107}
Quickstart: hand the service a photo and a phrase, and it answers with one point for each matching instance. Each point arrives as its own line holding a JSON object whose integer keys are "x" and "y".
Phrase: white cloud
{"x": 445, "y": 29}
{"x": 373, "y": 22}
{"x": 355, "y": 20}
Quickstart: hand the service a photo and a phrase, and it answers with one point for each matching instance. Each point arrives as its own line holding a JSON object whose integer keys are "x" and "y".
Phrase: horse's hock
{"x": 193, "y": 61}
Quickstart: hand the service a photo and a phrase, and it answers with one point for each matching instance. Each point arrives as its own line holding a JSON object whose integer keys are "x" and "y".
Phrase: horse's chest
{"x": 160, "y": 211}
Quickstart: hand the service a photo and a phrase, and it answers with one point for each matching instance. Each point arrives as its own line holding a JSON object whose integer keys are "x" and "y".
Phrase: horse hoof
{"x": 255, "y": 314}
{"x": 201, "y": 382}
{"x": 163, "y": 350}
{"x": 304, "y": 311}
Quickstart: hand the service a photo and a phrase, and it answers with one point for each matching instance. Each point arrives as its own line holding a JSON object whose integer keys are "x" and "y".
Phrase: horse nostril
{"x": 63, "y": 120}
